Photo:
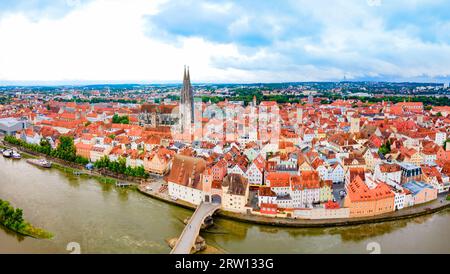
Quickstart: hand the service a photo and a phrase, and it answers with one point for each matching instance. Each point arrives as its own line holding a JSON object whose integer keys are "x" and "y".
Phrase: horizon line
{"x": 4, "y": 84}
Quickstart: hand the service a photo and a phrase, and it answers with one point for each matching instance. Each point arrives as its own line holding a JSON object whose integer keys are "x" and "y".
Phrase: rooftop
{"x": 9, "y": 122}
{"x": 416, "y": 187}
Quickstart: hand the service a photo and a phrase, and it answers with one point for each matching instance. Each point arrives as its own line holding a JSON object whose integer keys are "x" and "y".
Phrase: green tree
{"x": 120, "y": 166}
{"x": 103, "y": 162}
{"x": 45, "y": 146}
{"x": 120, "y": 119}
{"x": 385, "y": 148}
{"x": 81, "y": 160}
{"x": 66, "y": 149}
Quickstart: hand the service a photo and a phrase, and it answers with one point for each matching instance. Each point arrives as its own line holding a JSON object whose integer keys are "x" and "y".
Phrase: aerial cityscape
{"x": 325, "y": 156}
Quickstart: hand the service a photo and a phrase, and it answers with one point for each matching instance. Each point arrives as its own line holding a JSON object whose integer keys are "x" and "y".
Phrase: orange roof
{"x": 186, "y": 171}
{"x": 358, "y": 191}
{"x": 331, "y": 205}
{"x": 307, "y": 180}
{"x": 265, "y": 205}
{"x": 259, "y": 163}
{"x": 389, "y": 168}
{"x": 278, "y": 179}
{"x": 82, "y": 146}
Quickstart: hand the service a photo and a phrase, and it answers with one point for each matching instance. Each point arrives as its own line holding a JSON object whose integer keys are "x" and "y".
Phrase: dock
{"x": 123, "y": 184}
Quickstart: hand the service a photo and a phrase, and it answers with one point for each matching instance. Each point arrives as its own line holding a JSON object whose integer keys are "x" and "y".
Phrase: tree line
{"x": 426, "y": 100}
{"x": 99, "y": 100}
{"x": 120, "y": 166}
{"x": 65, "y": 150}
{"x": 120, "y": 119}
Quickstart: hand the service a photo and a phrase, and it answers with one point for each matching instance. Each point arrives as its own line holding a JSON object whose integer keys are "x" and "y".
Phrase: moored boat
{"x": 16, "y": 155}
{"x": 7, "y": 153}
{"x": 40, "y": 162}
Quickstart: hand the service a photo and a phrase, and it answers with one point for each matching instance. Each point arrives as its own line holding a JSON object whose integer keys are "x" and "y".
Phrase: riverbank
{"x": 12, "y": 219}
{"x": 77, "y": 167}
{"x": 425, "y": 209}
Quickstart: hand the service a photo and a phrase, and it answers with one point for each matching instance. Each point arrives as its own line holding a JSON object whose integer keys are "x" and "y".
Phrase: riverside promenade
{"x": 80, "y": 169}
{"x": 424, "y": 209}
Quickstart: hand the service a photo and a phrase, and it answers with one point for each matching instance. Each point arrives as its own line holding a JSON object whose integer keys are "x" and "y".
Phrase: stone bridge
{"x": 189, "y": 235}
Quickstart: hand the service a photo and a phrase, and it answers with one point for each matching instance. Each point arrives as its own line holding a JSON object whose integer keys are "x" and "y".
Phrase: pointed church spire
{"x": 188, "y": 76}
{"x": 186, "y": 101}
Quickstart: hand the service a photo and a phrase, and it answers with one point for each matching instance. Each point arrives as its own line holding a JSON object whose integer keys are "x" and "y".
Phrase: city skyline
{"x": 94, "y": 42}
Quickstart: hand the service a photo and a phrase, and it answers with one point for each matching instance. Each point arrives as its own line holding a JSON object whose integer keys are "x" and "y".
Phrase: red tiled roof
{"x": 278, "y": 179}
{"x": 187, "y": 171}
{"x": 359, "y": 191}
{"x": 266, "y": 191}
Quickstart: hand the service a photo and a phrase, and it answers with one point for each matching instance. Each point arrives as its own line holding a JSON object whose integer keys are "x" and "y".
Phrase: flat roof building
{"x": 10, "y": 126}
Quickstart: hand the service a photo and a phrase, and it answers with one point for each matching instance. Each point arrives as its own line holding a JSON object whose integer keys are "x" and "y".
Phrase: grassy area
{"x": 106, "y": 180}
{"x": 71, "y": 171}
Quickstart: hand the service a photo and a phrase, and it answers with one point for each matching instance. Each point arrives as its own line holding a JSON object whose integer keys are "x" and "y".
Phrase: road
{"x": 189, "y": 235}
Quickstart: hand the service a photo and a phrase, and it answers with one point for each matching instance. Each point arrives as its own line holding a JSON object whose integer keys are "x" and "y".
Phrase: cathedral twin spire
{"x": 186, "y": 80}
{"x": 186, "y": 77}
{"x": 187, "y": 99}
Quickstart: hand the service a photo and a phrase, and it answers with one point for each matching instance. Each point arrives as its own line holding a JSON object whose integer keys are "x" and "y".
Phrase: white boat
{"x": 40, "y": 162}
{"x": 7, "y": 153}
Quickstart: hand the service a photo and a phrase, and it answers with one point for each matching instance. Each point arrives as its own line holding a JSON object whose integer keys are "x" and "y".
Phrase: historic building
{"x": 235, "y": 189}
{"x": 186, "y": 104}
{"x": 364, "y": 201}
{"x": 185, "y": 179}
{"x": 153, "y": 115}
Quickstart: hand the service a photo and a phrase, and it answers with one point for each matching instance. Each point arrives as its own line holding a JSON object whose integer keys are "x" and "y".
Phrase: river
{"x": 104, "y": 219}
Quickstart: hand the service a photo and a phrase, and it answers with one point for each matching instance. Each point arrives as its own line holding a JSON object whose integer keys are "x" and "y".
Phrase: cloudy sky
{"x": 149, "y": 41}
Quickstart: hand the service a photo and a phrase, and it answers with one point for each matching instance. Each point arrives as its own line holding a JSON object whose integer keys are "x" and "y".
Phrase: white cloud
{"x": 104, "y": 40}
{"x": 108, "y": 40}
{"x": 374, "y": 2}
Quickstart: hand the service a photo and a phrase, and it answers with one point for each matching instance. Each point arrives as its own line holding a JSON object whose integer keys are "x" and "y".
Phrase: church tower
{"x": 310, "y": 98}
{"x": 186, "y": 102}
{"x": 354, "y": 124}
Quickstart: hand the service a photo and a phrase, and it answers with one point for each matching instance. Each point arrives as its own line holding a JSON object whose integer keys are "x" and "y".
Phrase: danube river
{"x": 104, "y": 219}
